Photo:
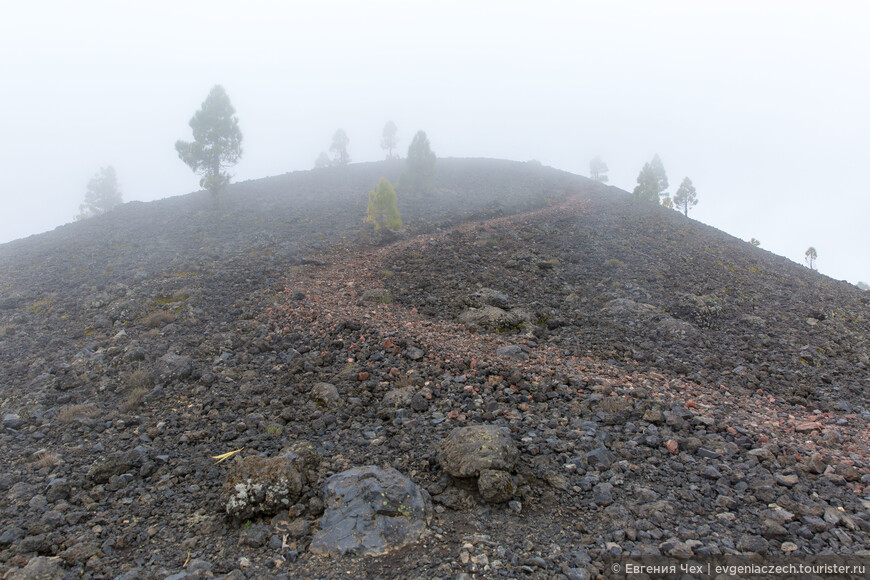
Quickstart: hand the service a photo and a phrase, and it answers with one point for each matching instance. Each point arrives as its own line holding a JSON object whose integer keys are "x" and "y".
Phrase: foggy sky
{"x": 764, "y": 105}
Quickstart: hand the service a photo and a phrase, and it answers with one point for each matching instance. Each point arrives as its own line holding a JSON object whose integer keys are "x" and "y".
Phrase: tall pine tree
{"x": 686, "y": 196}
{"x": 217, "y": 141}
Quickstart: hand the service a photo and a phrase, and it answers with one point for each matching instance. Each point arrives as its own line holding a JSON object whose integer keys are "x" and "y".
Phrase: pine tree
{"x": 322, "y": 161}
{"x": 340, "y": 142}
{"x": 686, "y": 196}
{"x": 651, "y": 182}
{"x": 389, "y": 140}
{"x": 810, "y": 256}
{"x": 419, "y": 175}
{"x": 598, "y": 170}
{"x": 217, "y": 141}
{"x": 102, "y": 194}
{"x": 382, "y": 210}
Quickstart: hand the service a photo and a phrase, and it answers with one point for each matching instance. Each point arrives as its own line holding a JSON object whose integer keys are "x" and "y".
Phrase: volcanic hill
{"x": 652, "y": 386}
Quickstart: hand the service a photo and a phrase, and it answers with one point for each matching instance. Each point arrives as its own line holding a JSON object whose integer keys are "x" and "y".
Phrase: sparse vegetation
{"x": 274, "y": 429}
{"x": 140, "y": 379}
{"x": 614, "y": 264}
{"x": 340, "y": 153}
{"x": 598, "y": 170}
{"x": 217, "y": 141}
{"x": 382, "y": 211}
{"x": 651, "y": 182}
{"x": 389, "y": 140}
{"x": 46, "y": 459}
{"x": 134, "y": 399}
{"x": 158, "y": 319}
{"x": 102, "y": 194}
{"x": 755, "y": 242}
{"x": 78, "y": 412}
{"x": 419, "y": 176}
{"x": 686, "y": 196}
{"x": 322, "y": 161}
{"x": 810, "y": 257}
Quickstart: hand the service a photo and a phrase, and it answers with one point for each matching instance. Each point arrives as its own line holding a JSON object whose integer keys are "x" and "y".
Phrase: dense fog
{"x": 762, "y": 105}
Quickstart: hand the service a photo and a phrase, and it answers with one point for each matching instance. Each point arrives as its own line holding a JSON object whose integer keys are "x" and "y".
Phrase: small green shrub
{"x": 382, "y": 210}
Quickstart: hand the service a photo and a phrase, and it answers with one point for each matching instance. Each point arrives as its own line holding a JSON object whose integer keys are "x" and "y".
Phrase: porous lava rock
{"x": 494, "y": 319}
{"x": 482, "y": 451}
{"x": 265, "y": 485}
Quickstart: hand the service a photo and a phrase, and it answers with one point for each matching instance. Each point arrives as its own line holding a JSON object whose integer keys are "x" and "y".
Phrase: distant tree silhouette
{"x": 419, "y": 175}
{"x": 686, "y": 196}
{"x": 810, "y": 256}
{"x": 382, "y": 210}
{"x": 667, "y": 202}
{"x": 340, "y": 142}
{"x": 322, "y": 161}
{"x": 651, "y": 182}
{"x": 389, "y": 140}
{"x": 102, "y": 194}
{"x": 598, "y": 170}
{"x": 217, "y": 141}
{"x": 755, "y": 242}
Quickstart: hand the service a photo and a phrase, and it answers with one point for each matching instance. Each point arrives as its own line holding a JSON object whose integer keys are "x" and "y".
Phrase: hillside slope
{"x": 670, "y": 389}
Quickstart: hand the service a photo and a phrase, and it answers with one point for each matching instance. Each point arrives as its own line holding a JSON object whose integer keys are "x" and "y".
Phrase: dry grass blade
{"x": 225, "y": 456}
{"x": 72, "y": 413}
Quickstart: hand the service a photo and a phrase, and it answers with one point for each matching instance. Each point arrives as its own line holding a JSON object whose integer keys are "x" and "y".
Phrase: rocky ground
{"x": 626, "y": 382}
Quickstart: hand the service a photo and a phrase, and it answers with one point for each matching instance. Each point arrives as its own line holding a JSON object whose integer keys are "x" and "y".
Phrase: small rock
{"x": 707, "y": 453}
{"x": 672, "y": 446}
{"x": 558, "y": 481}
{"x": 255, "y": 536}
{"x": 752, "y": 543}
{"x": 39, "y": 568}
{"x": 173, "y": 367}
{"x": 600, "y": 458}
{"x": 419, "y": 403}
{"x": 198, "y": 565}
{"x": 512, "y": 351}
{"x": 602, "y": 494}
{"x": 11, "y": 535}
{"x": 654, "y": 416}
{"x": 414, "y": 353}
{"x": 326, "y": 395}
{"x": 771, "y": 529}
{"x": 496, "y": 486}
{"x": 815, "y": 464}
{"x": 679, "y": 550}
{"x": 786, "y": 480}
{"x": 102, "y": 471}
{"x": 13, "y": 421}
{"x": 377, "y": 295}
